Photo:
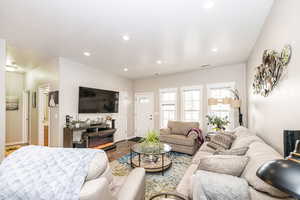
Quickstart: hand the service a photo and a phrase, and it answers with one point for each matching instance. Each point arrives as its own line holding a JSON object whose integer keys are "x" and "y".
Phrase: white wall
{"x": 14, "y": 84}
{"x": 271, "y": 115}
{"x": 2, "y": 97}
{"x": 47, "y": 73}
{"x": 232, "y": 73}
{"x": 72, "y": 75}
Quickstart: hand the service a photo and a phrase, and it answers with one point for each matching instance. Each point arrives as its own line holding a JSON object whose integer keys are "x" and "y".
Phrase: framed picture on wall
{"x": 53, "y": 99}
{"x": 12, "y": 103}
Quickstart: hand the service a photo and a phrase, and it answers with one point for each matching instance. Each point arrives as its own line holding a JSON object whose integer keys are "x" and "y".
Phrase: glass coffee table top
{"x": 151, "y": 149}
{"x": 151, "y": 157}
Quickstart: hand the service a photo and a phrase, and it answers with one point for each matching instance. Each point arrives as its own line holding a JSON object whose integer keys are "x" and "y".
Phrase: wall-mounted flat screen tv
{"x": 98, "y": 101}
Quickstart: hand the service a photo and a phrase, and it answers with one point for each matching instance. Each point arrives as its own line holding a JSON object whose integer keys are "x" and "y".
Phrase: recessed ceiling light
{"x": 125, "y": 69}
{"x": 87, "y": 54}
{"x": 126, "y": 37}
{"x": 159, "y": 62}
{"x": 214, "y": 49}
{"x": 208, "y": 4}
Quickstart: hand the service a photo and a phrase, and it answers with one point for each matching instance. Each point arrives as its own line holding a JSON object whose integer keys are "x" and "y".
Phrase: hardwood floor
{"x": 121, "y": 150}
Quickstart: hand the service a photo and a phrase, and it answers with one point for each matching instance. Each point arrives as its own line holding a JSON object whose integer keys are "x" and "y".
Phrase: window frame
{"x": 222, "y": 85}
{"x": 165, "y": 90}
{"x": 201, "y": 111}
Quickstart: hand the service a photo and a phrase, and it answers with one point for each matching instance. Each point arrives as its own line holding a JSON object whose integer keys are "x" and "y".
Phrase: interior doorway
{"x": 144, "y": 113}
{"x": 26, "y": 117}
{"x": 43, "y": 116}
{"x": 17, "y": 103}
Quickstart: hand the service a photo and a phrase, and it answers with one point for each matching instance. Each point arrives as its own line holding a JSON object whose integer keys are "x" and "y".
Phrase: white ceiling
{"x": 181, "y": 33}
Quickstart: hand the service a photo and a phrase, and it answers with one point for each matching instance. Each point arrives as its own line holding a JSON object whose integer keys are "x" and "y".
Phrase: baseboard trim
{"x": 15, "y": 143}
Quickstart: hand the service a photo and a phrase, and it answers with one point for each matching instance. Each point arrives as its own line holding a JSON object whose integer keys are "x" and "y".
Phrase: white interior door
{"x": 25, "y": 130}
{"x": 144, "y": 113}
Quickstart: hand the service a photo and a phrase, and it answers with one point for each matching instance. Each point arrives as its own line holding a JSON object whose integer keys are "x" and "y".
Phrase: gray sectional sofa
{"x": 259, "y": 152}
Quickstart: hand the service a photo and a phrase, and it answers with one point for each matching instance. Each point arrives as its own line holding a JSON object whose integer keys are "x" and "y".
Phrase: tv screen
{"x": 98, "y": 101}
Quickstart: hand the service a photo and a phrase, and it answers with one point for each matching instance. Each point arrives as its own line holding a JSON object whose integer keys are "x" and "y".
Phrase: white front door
{"x": 144, "y": 113}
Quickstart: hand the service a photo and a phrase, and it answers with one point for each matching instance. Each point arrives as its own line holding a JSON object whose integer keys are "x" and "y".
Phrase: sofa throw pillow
{"x": 208, "y": 185}
{"x": 237, "y": 152}
{"x": 224, "y": 140}
{"x": 224, "y": 164}
{"x": 231, "y": 135}
{"x": 245, "y": 141}
{"x": 215, "y": 146}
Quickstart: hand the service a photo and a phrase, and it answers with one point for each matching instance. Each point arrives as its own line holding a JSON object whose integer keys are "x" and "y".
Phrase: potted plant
{"x": 219, "y": 124}
{"x": 151, "y": 142}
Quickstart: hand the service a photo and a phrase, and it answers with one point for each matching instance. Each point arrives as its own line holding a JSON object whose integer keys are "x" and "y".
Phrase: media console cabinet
{"x": 94, "y": 136}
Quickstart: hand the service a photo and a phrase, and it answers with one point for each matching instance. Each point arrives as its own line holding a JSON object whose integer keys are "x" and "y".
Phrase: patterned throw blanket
{"x": 198, "y": 132}
{"x": 44, "y": 173}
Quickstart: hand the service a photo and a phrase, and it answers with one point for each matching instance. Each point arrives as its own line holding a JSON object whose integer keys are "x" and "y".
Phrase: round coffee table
{"x": 169, "y": 196}
{"x": 151, "y": 157}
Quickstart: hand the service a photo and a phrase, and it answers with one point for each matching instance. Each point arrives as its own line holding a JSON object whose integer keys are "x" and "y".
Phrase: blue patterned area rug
{"x": 155, "y": 182}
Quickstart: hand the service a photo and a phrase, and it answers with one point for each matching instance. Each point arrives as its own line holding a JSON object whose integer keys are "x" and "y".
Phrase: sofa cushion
{"x": 199, "y": 155}
{"x": 238, "y": 151}
{"x": 260, "y": 153}
{"x": 215, "y": 146}
{"x": 224, "y": 140}
{"x": 97, "y": 166}
{"x": 177, "y": 139}
{"x": 245, "y": 141}
{"x": 224, "y": 164}
{"x": 208, "y": 186}
{"x": 181, "y": 128}
{"x": 205, "y": 147}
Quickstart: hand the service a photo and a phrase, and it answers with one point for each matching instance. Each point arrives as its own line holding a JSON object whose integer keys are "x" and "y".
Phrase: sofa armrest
{"x": 95, "y": 189}
{"x": 134, "y": 186}
{"x": 165, "y": 131}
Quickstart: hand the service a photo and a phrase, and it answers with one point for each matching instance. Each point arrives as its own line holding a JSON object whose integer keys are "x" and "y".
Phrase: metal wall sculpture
{"x": 269, "y": 73}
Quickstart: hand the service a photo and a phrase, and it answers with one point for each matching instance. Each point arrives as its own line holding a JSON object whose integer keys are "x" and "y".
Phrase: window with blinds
{"x": 191, "y": 104}
{"x": 168, "y": 106}
{"x": 220, "y": 91}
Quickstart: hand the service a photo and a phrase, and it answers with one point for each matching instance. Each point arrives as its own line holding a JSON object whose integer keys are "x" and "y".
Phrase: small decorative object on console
{"x": 269, "y": 73}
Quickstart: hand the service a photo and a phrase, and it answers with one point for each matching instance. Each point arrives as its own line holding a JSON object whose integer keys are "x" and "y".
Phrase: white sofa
{"x": 259, "y": 153}
{"x": 101, "y": 185}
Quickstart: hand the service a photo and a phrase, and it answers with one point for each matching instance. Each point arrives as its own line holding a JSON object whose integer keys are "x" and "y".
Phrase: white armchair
{"x": 101, "y": 185}
{"x": 132, "y": 189}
